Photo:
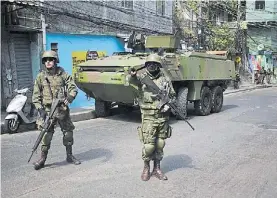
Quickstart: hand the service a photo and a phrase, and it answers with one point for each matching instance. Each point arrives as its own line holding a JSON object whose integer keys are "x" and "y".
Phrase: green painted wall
{"x": 253, "y": 15}
{"x": 266, "y": 36}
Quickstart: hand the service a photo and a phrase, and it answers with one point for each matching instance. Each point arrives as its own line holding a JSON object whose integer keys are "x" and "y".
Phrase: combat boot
{"x": 40, "y": 163}
{"x": 145, "y": 175}
{"x": 69, "y": 157}
{"x": 157, "y": 171}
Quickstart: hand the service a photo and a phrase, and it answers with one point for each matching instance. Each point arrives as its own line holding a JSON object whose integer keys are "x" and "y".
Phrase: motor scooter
{"x": 19, "y": 111}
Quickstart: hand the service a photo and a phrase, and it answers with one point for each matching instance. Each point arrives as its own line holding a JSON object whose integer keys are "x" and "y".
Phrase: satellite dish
{"x": 261, "y": 47}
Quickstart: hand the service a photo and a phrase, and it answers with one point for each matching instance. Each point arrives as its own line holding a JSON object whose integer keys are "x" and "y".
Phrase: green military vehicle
{"x": 197, "y": 77}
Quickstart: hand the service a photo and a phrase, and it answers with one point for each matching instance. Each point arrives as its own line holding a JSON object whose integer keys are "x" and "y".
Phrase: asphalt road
{"x": 230, "y": 154}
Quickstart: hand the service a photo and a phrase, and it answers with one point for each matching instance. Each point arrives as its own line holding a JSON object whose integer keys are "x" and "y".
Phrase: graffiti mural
{"x": 254, "y": 64}
{"x": 257, "y": 62}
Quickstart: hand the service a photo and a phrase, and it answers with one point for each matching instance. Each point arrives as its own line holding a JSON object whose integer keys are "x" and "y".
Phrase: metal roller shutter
{"x": 22, "y": 50}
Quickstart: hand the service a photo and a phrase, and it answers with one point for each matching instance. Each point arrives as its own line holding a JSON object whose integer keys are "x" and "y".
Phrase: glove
{"x": 68, "y": 100}
{"x": 165, "y": 108}
{"x": 42, "y": 113}
{"x": 133, "y": 72}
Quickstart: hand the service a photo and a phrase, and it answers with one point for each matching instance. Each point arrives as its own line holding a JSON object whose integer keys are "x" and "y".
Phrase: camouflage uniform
{"x": 136, "y": 42}
{"x": 155, "y": 126}
{"x": 47, "y": 84}
{"x": 237, "y": 80}
{"x": 268, "y": 76}
{"x": 262, "y": 75}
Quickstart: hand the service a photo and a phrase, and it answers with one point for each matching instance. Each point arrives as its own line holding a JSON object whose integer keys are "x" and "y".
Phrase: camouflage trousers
{"x": 67, "y": 128}
{"x": 152, "y": 133}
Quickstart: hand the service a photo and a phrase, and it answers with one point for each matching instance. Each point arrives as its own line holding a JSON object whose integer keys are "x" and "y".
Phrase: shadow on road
{"x": 86, "y": 156}
{"x": 174, "y": 162}
{"x": 226, "y": 107}
{"x": 135, "y": 116}
{"x": 94, "y": 154}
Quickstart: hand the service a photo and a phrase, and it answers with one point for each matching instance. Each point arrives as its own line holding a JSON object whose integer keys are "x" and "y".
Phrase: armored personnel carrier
{"x": 197, "y": 77}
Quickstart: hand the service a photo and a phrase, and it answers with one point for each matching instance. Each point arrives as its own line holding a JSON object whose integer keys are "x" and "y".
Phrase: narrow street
{"x": 230, "y": 154}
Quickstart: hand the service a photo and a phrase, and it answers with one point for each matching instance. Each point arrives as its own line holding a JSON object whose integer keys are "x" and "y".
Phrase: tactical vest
{"x": 55, "y": 82}
{"x": 147, "y": 100}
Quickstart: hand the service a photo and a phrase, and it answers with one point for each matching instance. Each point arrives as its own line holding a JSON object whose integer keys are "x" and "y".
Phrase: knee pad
{"x": 45, "y": 148}
{"x": 47, "y": 138}
{"x": 149, "y": 149}
{"x": 160, "y": 143}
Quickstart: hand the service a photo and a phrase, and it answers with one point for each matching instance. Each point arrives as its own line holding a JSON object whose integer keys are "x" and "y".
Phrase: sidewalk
{"x": 87, "y": 113}
{"x": 247, "y": 87}
{"x": 77, "y": 114}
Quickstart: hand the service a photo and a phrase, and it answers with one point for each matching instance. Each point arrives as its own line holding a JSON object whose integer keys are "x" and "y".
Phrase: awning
{"x": 25, "y": 3}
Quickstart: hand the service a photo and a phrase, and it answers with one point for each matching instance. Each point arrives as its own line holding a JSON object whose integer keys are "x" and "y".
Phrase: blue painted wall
{"x": 67, "y": 43}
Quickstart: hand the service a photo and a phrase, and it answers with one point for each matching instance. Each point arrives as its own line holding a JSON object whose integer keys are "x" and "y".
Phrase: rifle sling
{"x": 48, "y": 87}
{"x": 150, "y": 84}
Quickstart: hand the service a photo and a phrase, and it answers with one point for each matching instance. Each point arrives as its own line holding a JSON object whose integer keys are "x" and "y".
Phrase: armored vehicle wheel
{"x": 182, "y": 101}
{"x": 217, "y": 99}
{"x": 102, "y": 108}
{"x": 204, "y": 105}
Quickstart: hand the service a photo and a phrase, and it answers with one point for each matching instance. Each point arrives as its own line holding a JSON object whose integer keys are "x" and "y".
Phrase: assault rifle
{"x": 46, "y": 125}
{"x": 164, "y": 97}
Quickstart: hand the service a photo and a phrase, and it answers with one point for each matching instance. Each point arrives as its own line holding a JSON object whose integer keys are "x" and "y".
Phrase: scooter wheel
{"x": 11, "y": 126}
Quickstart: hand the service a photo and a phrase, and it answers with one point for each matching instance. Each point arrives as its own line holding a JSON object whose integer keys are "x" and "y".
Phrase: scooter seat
{"x": 21, "y": 91}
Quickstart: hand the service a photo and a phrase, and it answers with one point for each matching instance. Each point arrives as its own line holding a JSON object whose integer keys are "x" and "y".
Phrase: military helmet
{"x": 154, "y": 58}
{"x": 50, "y": 54}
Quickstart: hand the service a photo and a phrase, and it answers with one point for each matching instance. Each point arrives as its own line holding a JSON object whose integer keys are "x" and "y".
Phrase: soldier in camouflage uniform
{"x": 47, "y": 84}
{"x": 262, "y": 75}
{"x": 136, "y": 42}
{"x": 155, "y": 126}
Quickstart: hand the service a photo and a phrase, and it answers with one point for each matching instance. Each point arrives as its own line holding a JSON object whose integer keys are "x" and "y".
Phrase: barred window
{"x": 127, "y": 4}
{"x": 160, "y": 7}
{"x": 260, "y": 5}
{"x": 54, "y": 47}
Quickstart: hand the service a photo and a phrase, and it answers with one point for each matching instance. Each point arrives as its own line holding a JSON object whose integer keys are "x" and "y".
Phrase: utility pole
{"x": 238, "y": 35}
{"x": 200, "y": 25}
{"x": 238, "y": 46}
{"x": 43, "y": 27}
{"x": 241, "y": 39}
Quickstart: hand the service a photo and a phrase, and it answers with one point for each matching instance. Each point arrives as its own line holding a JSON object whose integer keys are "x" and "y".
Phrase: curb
{"x": 75, "y": 117}
{"x": 249, "y": 89}
{"x": 80, "y": 116}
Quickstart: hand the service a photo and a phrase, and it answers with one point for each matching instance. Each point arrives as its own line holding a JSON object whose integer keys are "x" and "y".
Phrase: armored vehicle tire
{"x": 204, "y": 105}
{"x": 217, "y": 99}
{"x": 102, "y": 108}
{"x": 182, "y": 101}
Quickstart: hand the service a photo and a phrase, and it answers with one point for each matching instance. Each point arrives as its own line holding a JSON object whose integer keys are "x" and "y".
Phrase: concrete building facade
{"x": 29, "y": 27}
{"x": 261, "y": 17}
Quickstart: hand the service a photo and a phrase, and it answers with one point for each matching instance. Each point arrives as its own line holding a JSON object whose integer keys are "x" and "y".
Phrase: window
{"x": 230, "y": 17}
{"x": 243, "y": 3}
{"x": 54, "y": 47}
{"x": 127, "y": 4}
{"x": 160, "y": 7}
{"x": 259, "y": 5}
